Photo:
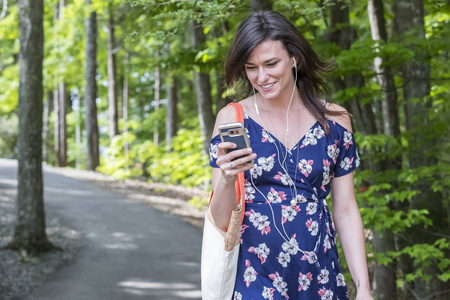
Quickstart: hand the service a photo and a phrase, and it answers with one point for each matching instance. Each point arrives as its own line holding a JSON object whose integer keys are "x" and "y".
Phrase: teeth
{"x": 267, "y": 86}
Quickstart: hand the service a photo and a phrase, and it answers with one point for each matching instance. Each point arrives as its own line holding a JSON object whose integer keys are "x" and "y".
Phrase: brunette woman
{"x": 303, "y": 149}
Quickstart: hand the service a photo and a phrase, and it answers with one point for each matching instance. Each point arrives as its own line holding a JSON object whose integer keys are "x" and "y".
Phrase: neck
{"x": 281, "y": 104}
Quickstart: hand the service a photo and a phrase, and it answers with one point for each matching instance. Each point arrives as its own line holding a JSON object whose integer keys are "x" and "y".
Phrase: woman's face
{"x": 269, "y": 69}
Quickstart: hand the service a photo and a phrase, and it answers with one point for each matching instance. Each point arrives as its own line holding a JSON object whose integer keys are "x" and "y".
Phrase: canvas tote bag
{"x": 220, "y": 250}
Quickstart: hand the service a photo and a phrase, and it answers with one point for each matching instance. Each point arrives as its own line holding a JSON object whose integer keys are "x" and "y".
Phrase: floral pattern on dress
{"x": 304, "y": 281}
{"x": 262, "y": 251}
{"x": 279, "y": 284}
{"x": 287, "y": 227}
{"x": 249, "y": 274}
{"x": 259, "y": 221}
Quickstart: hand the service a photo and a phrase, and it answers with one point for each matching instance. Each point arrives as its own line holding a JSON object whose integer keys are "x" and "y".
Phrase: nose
{"x": 262, "y": 75}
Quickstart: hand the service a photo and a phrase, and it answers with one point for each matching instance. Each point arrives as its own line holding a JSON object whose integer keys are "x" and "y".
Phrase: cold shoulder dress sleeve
{"x": 288, "y": 247}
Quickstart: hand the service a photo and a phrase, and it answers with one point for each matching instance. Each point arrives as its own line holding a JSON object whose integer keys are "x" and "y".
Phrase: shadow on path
{"x": 130, "y": 251}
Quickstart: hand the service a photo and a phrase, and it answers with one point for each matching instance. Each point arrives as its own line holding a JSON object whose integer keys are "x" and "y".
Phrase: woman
{"x": 303, "y": 149}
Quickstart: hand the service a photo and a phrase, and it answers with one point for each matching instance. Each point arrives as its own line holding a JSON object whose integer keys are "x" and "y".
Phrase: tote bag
{"x": 220, "y": 250}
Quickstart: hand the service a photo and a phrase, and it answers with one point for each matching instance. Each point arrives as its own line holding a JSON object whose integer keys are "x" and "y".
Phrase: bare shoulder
{"x": 225, "y": 115}
{"x": 343, "y": 119}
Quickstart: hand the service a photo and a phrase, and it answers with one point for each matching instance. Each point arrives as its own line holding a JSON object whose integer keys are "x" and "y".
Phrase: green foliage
{"x": 8, "y": 136}
{"x": 186, "y": 164}
{"x": 199, "y": 202}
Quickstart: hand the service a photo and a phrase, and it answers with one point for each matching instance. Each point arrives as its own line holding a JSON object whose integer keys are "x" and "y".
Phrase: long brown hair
{"x": 270, "y": 25}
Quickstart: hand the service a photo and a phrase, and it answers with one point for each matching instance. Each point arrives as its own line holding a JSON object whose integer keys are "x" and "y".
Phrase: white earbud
{"x": 295, "y": 63}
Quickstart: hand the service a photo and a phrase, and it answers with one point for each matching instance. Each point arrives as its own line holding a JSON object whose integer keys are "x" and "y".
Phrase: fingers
{"x": 234, "y": 162}
{"x": 235, "y": 155}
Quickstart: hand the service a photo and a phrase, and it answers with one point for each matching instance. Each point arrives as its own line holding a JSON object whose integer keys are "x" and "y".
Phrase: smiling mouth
{"x": 267, "y": 86}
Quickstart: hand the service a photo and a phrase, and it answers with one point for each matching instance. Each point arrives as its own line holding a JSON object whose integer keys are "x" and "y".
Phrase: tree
{"x": 61, "y": 109}
{"x": 112, "y": 74}
{"x": 29, "y": 233}
{"x": 416, "y": 76}
{"x": 384, "y": 281}
{"x": 91, "y": 90}
{"x": 172, "y": 111}
{"x": 203, "y": 90}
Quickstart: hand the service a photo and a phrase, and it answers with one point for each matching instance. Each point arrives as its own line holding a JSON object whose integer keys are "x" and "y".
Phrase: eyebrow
{"x": 266, "y": 61}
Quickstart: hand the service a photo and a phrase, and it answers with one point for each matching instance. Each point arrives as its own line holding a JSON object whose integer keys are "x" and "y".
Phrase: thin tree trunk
{"x": 92, "y": 136}
{"x": 78, "y": 135}
{"x": 384, "y": 285}
{"x": 62, "y": 112}
{"x": 29, "y": 233}
{"x": 221, "y": 101}
{"x": 156, "y": 101}
{"x": 172, "y": 112}
{"x": 384, "y": 74}
{"x": 125, "y": 103}
{"x": 48, "y": 108}
{"x": 112, "y": 88}
{"x": 203, "y": 90}
{"x": 56, "y": 119}
{"x": 257, "y": 5}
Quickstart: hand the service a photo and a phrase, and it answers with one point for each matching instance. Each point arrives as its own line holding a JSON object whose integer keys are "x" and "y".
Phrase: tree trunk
{"x": 60, "y": 106}
{"x": 156, "y": 102}
{"x": 125, "y": 103}
{"x": 48, "y": 108}
{"x": 56, "y": 120}
{"x": 409, "y": 23}
{"x": 78, "y": 134}
{"x": 29, "y": 233}
{"x": 384, "y": 74}
{"x": 344, "y": 37}
{"x": 112, "y": 88}
{"x": 409, "y": 20}
{"x": 203, "y": 90}
{"x": 90, "y": 25}
{"x": 257, "y": 5}
{"x": 62, "y": 131}
{"x": 172, "y": 111}
{"x": 384, "y": 285}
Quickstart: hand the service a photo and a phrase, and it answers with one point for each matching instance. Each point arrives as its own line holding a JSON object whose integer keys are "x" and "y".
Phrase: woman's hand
{"x": 231, "y": 168}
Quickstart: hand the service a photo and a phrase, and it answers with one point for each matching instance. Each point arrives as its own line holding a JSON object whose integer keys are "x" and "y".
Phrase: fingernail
{"x": 249, "y": 150}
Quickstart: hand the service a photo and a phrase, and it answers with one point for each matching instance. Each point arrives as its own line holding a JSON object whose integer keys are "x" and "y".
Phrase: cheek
{"x": 251, "y": 76}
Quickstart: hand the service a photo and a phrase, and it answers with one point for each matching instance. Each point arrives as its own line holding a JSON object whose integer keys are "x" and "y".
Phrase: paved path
{"x": 131, "y": 251}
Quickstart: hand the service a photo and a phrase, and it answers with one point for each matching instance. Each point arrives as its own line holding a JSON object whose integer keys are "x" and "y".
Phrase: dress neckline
{"x": 276, "y": 139}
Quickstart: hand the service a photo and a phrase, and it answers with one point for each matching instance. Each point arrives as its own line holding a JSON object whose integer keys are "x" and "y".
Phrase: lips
{"x": 267, "y": 87}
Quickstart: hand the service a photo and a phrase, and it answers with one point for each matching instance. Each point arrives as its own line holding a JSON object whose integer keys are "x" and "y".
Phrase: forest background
{"x": 131, "y": 89}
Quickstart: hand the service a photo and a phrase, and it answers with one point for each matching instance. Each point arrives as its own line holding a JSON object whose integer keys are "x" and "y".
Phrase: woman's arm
{"x": 350, "y": 228}
{"x": 224, "y": 201}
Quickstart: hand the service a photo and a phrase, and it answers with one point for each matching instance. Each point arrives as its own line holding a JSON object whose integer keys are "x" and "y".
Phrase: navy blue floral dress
{"x": 288, "y": 248}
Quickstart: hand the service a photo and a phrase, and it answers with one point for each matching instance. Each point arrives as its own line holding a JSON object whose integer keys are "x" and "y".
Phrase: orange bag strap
{"x": 240, "y": 182}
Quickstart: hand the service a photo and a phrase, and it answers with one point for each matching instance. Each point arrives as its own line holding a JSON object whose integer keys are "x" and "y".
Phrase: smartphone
{"x": 235, "y": 133}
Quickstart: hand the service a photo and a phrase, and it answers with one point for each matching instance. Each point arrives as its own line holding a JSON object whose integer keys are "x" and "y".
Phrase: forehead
{"x": 267, "y": 50}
